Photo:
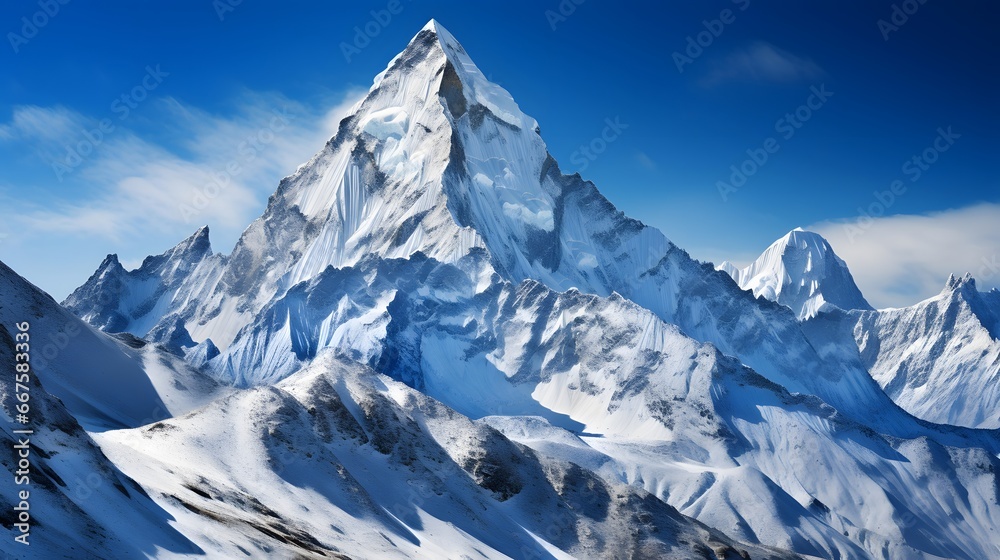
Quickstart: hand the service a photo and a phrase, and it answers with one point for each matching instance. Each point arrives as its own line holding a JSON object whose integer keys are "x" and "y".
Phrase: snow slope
{"x": 339, "y": 461}
{"x": 106, "y": 382}
{"x": 939, "y": 359}
{"x": 653, "y": 407}
{"x": 81, "y": 505}
{"x": 800, "y": 271}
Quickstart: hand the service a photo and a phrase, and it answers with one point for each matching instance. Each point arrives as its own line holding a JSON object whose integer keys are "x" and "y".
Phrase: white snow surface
{"x": 938, "y": 359}
{"x": 106, "y": 382}
{"x": 81, "y": 505}
{"x": 338, "y": 460}
{"x": 607, "y": 385}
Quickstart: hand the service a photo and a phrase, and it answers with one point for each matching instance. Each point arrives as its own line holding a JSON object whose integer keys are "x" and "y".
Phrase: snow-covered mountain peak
{"x": 939, "y": 359}
{"x": 454, "y": 73}
{"x": 436, "y": 241}
{"x": 955, "y": 283}
{"x": 962, "y": 292}
{"x": 188, "y": 252}
{"x": 110, "y": 265}
{"x": 436, "y": 160}
{"x": 116, "y": 300}
{"x": 801, "y": 238}
{"x": 431, "y": 25}
{"x": 802, "y": 271}
{"x": 199, "y": 241}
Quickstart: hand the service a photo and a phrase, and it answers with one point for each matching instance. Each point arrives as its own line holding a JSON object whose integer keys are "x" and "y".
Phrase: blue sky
{"x": 199, "y": 87}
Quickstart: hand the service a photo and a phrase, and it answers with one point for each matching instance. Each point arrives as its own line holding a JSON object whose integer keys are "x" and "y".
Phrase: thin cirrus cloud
{"x": 643, "y": 159}
{"x": 40, "y": 123}
{"x": 900, "y": 260}
{"x": 762, "y": 63}
{"x": 178, "y": 179}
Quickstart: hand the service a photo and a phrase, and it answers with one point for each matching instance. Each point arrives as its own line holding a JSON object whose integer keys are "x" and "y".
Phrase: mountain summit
{"x": 801, "y": 271}
{"x": 437, "y": 160}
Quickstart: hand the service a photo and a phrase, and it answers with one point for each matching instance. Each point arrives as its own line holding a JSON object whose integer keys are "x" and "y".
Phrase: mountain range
{"x": 435, "y": 343}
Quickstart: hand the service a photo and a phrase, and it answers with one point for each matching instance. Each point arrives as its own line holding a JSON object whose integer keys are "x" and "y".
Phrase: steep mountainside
{"x": 438, "y": 160}
{"x": 80, "y": 505}
{"x": 339, "y": 461}
{"x": 653, "y": 407}
{"x": 106, "y": 382}
{"x": 939, "y": 359}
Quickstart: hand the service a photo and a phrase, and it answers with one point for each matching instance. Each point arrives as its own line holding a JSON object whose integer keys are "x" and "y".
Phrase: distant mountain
{"x": 802, "y": 272}
{"x": 154, "y": 296}
{"x": 939, "y": 359}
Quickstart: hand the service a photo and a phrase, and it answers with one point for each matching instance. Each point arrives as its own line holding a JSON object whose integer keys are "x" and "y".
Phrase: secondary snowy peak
{"x": 116, "y": 300}
{"x": 938, "y": 359}
{"x": 962, "y": 292}
{"x": 802, "y": 271}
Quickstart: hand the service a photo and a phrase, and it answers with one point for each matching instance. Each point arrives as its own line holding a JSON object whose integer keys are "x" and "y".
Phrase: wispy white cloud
{"x": 762, "y": 62}
{"x": 900, "y": 260}
{"x": 138, "y": 183}
{"x": 41, "y": 124}
{"x": 645, "y": 161}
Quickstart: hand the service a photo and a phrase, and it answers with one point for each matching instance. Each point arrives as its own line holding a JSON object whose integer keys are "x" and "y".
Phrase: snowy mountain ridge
{"x": 435, "y": 241}
{"x": 453, "y": 179}
{"x": 938, "y": 359}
